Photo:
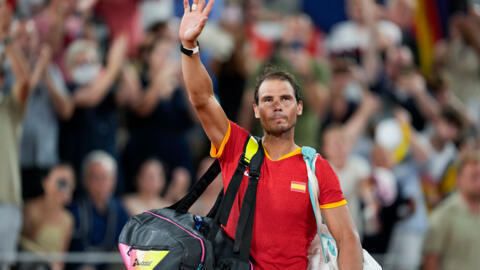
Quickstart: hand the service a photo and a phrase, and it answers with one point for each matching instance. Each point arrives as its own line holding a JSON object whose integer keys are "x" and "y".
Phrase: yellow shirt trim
{"x": 293, "y": 153}
{"x": 213, "y": 151}
{"x": 333, "y": 205}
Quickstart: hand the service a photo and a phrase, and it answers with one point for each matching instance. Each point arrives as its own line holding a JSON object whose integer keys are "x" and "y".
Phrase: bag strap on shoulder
{"x": 207, "y": 178}
{"x": 250, "y": 149}
{"x": 243, "y": 234}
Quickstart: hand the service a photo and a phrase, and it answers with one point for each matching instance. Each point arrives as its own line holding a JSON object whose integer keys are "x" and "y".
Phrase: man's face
{"x": 277, "y": 107}
{"x": 469, "y": 181}
{"x": 100, "y": 182}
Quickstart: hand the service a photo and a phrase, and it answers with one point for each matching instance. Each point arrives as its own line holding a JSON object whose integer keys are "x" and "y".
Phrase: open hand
{"x": 193, "y": 21}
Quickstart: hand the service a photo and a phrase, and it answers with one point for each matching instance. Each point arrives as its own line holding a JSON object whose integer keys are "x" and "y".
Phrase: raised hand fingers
{"x": 201, "y": 5}
{"x": 195, "y": 5}
{"x": 208, "y": 8}
{"x": 186, "y": 6}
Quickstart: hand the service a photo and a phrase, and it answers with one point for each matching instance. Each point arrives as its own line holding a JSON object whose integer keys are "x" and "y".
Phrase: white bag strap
{"x": 310, "y": 158}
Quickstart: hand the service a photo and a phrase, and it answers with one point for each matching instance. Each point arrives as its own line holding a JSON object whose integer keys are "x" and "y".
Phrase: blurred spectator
{"x": 49, "y": 101}
{"x": 345, "y": 93}
{"x": 231, "y": 73}
{"x": 458, "y": 59}
{"x": 47, "y": 225}
{"x": 158, "y": 122}
{"x": 205, "y": 203}
{"x": 382, "y": 202}
{"x": 438, "y": 178}
{"x": 123, "y": 17}
{"x": 151, "y": 183}
{"x": 99, "y": 217}
{"x": 337, "y": 144}
{"x": 453, "y": 241}
{"x": 402, "y": 14}
{"x": 363, "y": 35}
{"x": 58, "y": 25}
{"x": 12, "y": 109}
{"x": 179, "y": 185}
{"x": 400, "y": 84}
{"x": 97, "y": 93}
{"x": 399, "y": 138}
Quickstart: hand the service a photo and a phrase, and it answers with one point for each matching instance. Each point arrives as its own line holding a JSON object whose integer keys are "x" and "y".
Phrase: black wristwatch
{"x": 189, "y": 52}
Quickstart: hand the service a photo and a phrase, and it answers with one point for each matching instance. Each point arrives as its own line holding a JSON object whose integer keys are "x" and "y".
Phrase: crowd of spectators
{"x": 95, "y": 124}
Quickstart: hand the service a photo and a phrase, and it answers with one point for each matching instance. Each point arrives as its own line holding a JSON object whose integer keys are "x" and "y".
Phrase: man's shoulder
{"x": 447, "y": 209}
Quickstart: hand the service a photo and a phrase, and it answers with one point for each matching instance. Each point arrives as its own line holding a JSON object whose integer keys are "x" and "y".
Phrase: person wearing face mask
{"x": 96, "y": 91}
{"x": 12, "y": 110}
{"x": 47, "y": 225}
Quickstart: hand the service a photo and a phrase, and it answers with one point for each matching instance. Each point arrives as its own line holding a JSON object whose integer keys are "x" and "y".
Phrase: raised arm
{"x": 197, "y": 80}
{"x": 15, "y": 56}
{"x": 94, "y": 93}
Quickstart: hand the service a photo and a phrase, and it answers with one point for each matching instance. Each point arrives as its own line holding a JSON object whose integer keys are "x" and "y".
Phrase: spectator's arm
{"x": 128, "y": 92}
{"x": 371, "y": 61}
{"x": 341, "y": 226}
{"x": 17, "y": 61}
{"x": 41, "y": 66}
{"x": 356, "y": 125}
{"x": 162, "y": 85}
{"x": 62, "y": 101}
{"x": 415, "y": 85}
{"x": 93, "y": 94}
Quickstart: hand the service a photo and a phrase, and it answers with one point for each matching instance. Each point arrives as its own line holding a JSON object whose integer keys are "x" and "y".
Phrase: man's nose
{"x": 277, "y": 105}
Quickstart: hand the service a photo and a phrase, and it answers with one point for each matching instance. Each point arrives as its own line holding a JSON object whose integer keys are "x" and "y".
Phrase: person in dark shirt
{"x": 159, "y": 121}
{"x": 99, "y": 217}
{"x": 97, "y": 94}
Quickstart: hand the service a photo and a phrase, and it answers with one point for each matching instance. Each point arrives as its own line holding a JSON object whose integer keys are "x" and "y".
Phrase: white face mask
{"x": 85, "y": 74}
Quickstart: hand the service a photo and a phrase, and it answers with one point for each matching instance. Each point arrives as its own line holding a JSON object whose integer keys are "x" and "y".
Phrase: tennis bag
{"x": 171, "y": 238}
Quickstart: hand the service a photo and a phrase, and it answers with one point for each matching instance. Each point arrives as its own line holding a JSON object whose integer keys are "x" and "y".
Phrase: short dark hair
{"x": 274, "y": 74}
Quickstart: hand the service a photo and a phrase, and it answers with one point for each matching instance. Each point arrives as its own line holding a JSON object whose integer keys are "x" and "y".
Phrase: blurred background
{"x": 95, "y": 124}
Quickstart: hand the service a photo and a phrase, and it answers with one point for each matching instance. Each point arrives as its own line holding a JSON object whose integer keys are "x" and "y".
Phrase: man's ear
{"x": 300, "y": 107}
{"x": 255, "y": 109}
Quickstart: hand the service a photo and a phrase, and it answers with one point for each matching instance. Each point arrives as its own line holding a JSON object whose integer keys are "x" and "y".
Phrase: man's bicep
{"x": 339, "y": 222}
{"x": 214, "y": 121}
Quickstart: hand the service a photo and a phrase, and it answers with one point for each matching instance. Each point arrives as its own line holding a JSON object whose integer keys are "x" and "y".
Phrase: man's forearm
{"x": 197, "y": 80}
{"x": 350, "y": 253}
